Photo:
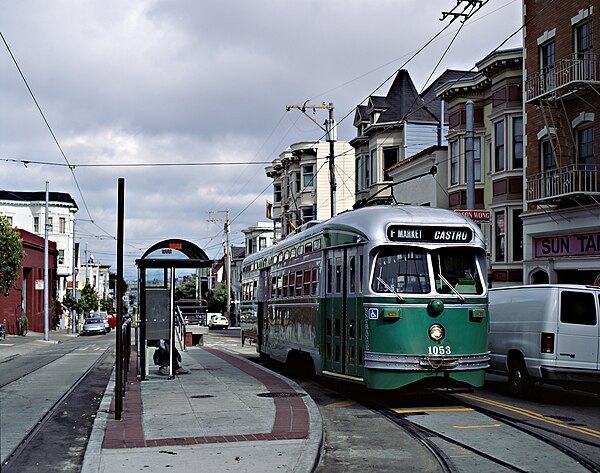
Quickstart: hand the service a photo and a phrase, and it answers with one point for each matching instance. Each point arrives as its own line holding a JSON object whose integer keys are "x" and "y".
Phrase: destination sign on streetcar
{"x": 429, "y": 234}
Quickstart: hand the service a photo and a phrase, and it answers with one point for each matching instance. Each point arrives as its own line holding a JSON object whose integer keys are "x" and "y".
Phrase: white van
{"x": 546, "y": 333}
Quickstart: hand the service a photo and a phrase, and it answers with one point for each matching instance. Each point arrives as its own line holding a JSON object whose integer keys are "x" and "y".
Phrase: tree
{"x": 89, "y": 299}
{"x": 186, "y": 289}
{"x": 11, "y": 255}
{"x": 217, "y": 301}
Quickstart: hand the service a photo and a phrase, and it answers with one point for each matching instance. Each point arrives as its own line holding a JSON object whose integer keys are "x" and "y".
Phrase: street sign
{"x": 478, "y": 216}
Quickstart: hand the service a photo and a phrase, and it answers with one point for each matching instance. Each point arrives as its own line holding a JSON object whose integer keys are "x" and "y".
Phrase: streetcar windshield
{"x": 455, "y": 271}
{"x": 401, "y": 270}
{"x": 407, "y": 271}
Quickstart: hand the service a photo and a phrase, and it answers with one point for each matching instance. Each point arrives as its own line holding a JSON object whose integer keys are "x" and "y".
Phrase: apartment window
{"x": 583, "y": 50}
{"x": 9, "y": 219}
{"x": 390, "y": 157}
{"x": 454, "y": 162}
{"x": 517, "y": 235}
{"x": 547, "y": 156}
{"x": 367, "y": 163}
{"x": 477, "y": 158}
{"x": 50, "y": 226}
{"x": 61, "y": 256}
{"x": 373, "y": 170}
{"x": 499, "y": 146}
{"x": 36, "y": 224}
{"x": 359, "y": 175}
{"x": 500, "y": 236}
{"x": 547, "y": 62}
{"x": 517, "y": 148}
{"x": 585, "y": 145}
{"x": 297, "y": 182}
{"x": 308, "y": 175}
{"x": 62, "y": 225}
{"x": 277, "y": 192}
{"x": 262, "y": 243}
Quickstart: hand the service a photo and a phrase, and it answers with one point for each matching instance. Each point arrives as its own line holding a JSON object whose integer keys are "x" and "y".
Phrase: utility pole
{"x": 46, "y": 292}
{"x": 469, "y": 156}
{"x": 227, "y": 254}
{"x": 330, "y": 133}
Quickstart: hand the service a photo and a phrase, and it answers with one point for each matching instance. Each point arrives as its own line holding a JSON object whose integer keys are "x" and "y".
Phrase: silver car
{"x": 93, "y": 325}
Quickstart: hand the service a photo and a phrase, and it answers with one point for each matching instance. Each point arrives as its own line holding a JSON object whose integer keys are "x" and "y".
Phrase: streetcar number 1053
{"x": 439, "y": 350}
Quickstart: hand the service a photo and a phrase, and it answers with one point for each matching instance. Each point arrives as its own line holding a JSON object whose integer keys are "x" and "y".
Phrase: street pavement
{"x": 25, "y": 401}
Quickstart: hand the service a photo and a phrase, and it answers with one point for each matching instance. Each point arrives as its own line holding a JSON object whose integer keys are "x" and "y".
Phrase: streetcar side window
{"x": 338, "y": 275}
{"x": 352, "y": 275}
{"x": 306, "y": 290}
{"x": 299, "y": 283}
{"x": 315, "y": 281}
{"x": 329, "y": 275}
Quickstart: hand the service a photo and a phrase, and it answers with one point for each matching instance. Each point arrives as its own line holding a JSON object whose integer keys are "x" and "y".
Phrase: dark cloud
{"x": 186, "y": 81}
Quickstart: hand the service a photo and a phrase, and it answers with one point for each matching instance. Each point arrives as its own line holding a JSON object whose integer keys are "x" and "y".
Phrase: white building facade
{"x": 27, "y": 211}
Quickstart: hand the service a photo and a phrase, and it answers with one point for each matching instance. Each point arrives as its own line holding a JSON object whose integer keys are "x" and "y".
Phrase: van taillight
{"x": 547, "y": 343}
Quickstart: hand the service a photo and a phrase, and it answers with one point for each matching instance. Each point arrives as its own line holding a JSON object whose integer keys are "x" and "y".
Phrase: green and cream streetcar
{"x": 385, "y": 296}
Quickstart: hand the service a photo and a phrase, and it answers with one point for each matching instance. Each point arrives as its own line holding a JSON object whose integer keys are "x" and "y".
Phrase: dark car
{"x": 93, "y": 325}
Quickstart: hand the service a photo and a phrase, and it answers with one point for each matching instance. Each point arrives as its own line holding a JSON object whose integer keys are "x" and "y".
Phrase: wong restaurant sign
{"x": 568, "y": 245}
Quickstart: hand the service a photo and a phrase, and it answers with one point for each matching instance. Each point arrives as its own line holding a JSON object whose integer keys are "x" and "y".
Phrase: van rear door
{"x": 577, "y": 338}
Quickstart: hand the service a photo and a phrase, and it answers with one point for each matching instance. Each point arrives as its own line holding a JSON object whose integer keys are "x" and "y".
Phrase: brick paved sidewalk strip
{"x": 291, "y": 415}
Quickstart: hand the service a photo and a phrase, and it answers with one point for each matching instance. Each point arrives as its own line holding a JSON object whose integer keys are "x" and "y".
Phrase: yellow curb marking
{"x": 476, "y": 426}
{"x": 433, "y": 409}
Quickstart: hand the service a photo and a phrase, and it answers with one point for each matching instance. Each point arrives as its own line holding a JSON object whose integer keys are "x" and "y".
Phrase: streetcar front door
{"x": 354, "y": 312}
{"x": 335, "y": 311}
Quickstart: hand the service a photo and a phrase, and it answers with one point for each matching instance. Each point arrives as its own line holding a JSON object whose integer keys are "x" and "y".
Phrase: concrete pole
{"x": 46, "y": 311}
{"x": 228, "y": 262}
{"x": 74, "y": 287}
{"x": 469, "y": 157}
{"x": 331, "y": 138}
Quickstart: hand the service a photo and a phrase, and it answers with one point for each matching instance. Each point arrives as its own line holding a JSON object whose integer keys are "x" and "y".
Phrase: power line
{"x": 27, "y": 162}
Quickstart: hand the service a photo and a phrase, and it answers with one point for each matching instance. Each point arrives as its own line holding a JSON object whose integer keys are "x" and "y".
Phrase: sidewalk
{"x": 226, "y": 414}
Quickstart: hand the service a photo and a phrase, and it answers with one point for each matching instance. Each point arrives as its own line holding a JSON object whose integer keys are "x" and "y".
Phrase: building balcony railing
{"x": 554, "y": 185}
{"x": 567, "y": 73}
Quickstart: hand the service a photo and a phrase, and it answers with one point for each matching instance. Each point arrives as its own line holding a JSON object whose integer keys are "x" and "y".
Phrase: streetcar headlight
{"x": 436, "y": 332}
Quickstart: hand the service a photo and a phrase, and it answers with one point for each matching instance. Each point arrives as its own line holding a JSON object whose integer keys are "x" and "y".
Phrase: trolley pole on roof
{"x": 330, "y": 133}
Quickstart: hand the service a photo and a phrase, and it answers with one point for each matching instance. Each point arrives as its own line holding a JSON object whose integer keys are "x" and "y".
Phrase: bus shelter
{"x": 156, "y": 279}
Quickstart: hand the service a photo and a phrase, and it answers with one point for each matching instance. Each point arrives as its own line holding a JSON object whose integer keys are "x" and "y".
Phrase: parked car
{"x": 93, "y": 325}
{"x": 547, "y": 333}
{"x": 191, "y": 319}
{"x": 217, "y": 321}
{"x": 106, "y": 318}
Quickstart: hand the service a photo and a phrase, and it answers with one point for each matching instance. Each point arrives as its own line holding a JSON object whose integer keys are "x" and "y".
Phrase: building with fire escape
{"x": 561, "y": 221}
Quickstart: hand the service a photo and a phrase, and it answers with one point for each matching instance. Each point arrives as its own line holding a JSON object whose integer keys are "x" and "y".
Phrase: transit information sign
{"x": 429, "y": 234}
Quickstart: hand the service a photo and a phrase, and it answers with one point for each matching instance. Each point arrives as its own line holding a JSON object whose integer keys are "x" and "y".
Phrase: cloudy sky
{"x": 203, "y": 85}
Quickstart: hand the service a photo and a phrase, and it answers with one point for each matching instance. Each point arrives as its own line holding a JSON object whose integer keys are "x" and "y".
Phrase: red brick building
{"x": 28, "y": 294}
{"x": 561, "y": 221}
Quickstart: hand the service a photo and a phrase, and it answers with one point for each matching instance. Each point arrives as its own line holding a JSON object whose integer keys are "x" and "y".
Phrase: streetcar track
{"x": 47, "y": 358}
{"x": 527, "y": 428}
{"x": 423, "y": 435}
{"x": 14, "y": 454}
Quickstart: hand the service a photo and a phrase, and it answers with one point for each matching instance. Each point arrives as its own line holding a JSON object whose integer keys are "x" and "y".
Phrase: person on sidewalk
{"x": 162, "y": 359}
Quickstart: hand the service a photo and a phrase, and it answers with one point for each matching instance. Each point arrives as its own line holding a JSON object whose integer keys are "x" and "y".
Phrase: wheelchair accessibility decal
{"x": 373, "y": 314}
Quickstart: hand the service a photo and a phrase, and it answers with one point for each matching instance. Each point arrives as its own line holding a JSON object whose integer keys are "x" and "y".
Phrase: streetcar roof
{"x": 370, "y": 224}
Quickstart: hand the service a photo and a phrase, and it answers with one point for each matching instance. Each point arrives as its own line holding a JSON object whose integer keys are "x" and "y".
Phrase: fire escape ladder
{"x": 556, "y": 130}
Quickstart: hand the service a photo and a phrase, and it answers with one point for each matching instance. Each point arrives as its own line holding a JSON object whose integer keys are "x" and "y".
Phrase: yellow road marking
{"x": 533, "y": 415}
{"x": 476, "y": 426}
{"x": 341, "y": 404}
{"x": 433, "y": 409}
